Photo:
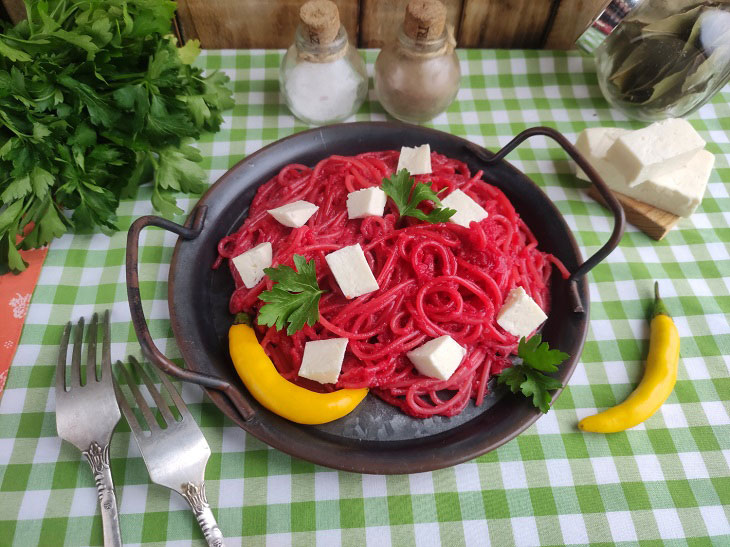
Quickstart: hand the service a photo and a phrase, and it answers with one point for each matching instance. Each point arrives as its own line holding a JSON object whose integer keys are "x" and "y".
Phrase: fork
{"x": 175, "y": 455}
{"x": 87, "y": 415}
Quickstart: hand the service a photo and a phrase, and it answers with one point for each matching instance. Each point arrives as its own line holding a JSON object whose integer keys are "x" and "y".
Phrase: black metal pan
{"x": 376, "y": 437}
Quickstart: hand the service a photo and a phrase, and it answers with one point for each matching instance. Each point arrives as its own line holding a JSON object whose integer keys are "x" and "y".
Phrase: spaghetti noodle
{"x": 434, "y": 279}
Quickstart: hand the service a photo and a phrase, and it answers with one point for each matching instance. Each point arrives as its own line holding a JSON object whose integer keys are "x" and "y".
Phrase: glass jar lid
{"x": 605, "y": 24}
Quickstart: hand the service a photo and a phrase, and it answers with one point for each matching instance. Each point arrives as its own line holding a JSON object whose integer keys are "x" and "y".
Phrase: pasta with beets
{"x": 434, "y": 279}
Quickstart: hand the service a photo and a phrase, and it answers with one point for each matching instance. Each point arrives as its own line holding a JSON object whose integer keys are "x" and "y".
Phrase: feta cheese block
{"x": 417, "y": 159}
{"x": 593, "y": 143}
{"x": 352, "y": 272}
{"x": 655, "y": 150}
{"x": 437, "y": 358}
{"x": 520, "y": 315}
{"x": 322, "y": 360}
{"x": 679, "y": 192}
{"x": 368, "y": 202}
{"x": 250, "y": 265}
{"x": 466, "y": 208}
{"x": 294, "y": 214}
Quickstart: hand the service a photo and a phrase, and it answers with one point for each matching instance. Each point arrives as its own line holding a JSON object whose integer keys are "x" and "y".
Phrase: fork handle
{"x": 195, "y": 495}
{"x": 98, "y": 458}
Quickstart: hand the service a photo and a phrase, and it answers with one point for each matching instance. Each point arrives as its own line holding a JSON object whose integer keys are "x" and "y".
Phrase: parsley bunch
{"x": 294, "y": 299}
{"x": 408, "y": 196}
{"x": 528, "y": 377}
{"x": 96, "y": 99}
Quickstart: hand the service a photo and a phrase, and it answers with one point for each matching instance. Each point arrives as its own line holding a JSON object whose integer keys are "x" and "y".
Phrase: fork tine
{"x": 141, "y": 403}
{"x": 175, "y": 396}
{"x": 91, "y": 349}
{"x": 124, "y": 405}
{"x": 76, "y": 355}
{"x": 159, "y": 400}
{"x": 61, "y": 366}
{"x": 106, "y": 351}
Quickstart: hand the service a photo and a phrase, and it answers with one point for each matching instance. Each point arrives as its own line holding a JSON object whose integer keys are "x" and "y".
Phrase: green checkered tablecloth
{"x": 666, "y": 481}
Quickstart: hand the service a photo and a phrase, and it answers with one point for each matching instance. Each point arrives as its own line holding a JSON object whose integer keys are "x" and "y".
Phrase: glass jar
{"x": 658, "y": 59}
{"x": 322, "y": 83}
{"x": 415, "y": 80}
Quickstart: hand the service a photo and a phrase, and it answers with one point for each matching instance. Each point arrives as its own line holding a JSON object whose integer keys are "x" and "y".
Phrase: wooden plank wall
{"x": 477, "y": 23}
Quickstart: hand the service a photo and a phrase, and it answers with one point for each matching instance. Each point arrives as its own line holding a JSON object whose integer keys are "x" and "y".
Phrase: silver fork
{"x": 175, "y": 455}
{"x": 87, "y": 415}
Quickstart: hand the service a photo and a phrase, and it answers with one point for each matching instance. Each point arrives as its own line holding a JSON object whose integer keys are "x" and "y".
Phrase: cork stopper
{"x": 321, "y": 21}
{"x": 424, "y": 20}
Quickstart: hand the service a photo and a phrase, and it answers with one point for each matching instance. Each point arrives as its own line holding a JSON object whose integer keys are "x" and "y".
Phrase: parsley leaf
{"x": 294, "y": 299}
{"x": 407, "y": 196}
{"x": 95, "y": 100}
{"x": 526, "y": 377}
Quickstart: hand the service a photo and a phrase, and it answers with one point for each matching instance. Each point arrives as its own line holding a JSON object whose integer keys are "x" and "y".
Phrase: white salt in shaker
{"x": 322, "y": 77}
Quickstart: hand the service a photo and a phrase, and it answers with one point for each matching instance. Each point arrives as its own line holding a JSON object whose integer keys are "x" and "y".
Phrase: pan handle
{"x": 619, "y": 222}
{"x": 191, "y": 230}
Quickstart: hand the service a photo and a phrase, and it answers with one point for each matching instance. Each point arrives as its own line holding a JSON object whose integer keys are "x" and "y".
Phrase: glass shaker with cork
{"x": 322, "y": 77}
{"x": 417, "y": 74}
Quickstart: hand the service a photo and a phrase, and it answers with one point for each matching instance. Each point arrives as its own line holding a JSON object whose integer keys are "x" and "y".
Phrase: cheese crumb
{"x": 250, "y": 265}
{"x": 466, "y": 208}
{"x": 322, "y": 360}
{"x": 352, "y": 272}
{"x": 437, "y": 358}
{"x": 368, "y": 202}
{"x": 295, "y": 214}
{"x": 416, "y": 160}
{"x": 520, "y": 315}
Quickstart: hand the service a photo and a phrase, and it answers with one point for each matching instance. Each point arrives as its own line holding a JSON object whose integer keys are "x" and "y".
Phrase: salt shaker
{"x": 322, "y": 77}
{"x": 659, "y": 59}
{"x": 417, "y": 75}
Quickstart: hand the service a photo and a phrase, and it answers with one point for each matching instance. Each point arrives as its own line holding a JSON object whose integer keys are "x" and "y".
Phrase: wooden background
{"x": 553, "y": 24}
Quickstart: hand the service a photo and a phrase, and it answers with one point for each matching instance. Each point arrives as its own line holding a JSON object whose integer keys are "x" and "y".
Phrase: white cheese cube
{"x": 593, "y": 143}
{"x": 251, "y": 264}
{"x": 295, "y": 214}
{"x": 679, "y": 192}
{"x": 520, "y": 315}
{"x": 655, "y": 150}
{"x": 352, "y": 272}
{"x": 417, "y": 159}
{"x": 437, "y": 358}
{"x": 466, "y": 208}
{"x": 368, "y": 202}
{"x": 322, "y": 360}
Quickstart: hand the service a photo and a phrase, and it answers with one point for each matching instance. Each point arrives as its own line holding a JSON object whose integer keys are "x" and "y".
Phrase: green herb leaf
{"x": 407, "y": 197}
{"x": 294, "y": 299}
{"x": 538, "y": 355}
{"x": 528, "y": 377}
{"x": 96, "y": 99}
{"x": 189, "y": 52}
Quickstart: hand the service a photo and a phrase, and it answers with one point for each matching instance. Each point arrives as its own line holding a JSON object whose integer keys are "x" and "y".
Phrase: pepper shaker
{"x": 322, "y": 77}
{"x": 417, "y": 74}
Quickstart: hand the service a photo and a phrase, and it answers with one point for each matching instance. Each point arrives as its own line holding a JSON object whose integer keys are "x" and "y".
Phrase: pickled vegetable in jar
{"x": 660, "y": 59}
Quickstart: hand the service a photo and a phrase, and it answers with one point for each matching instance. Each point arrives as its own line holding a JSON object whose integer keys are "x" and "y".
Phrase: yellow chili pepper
{"x": 280, "y": 396}
{"x": 656, "y": 385}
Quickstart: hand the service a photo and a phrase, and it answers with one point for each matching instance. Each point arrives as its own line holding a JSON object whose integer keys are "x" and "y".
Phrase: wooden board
{"x": 381, "y": 19}
{"x": 251, "y": 23}
{"x": 504, "y": 23}
{"x": 654, "y": 222}
{"x": 571, "y": 19}
{"x": 15, "y": 9}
